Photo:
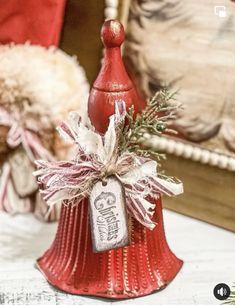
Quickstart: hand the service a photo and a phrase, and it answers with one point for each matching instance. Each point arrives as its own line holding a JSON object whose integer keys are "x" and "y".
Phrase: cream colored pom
{"x": 47, "y": 77}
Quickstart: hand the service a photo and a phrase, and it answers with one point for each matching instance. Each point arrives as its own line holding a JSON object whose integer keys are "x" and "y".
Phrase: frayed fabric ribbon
{"x": 97, "y": 158}
{"x": 24, "y": 133}
{"x": 20, "y": 133}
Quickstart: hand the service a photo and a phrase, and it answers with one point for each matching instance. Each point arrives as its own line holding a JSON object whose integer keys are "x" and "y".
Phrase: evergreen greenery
{"x": 154, "y": 120}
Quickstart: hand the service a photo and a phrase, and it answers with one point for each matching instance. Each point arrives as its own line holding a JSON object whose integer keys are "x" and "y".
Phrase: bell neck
{"x": 113, "y": 76}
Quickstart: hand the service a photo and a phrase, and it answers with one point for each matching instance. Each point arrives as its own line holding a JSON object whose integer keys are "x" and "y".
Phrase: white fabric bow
{"x": 98, "y": 157}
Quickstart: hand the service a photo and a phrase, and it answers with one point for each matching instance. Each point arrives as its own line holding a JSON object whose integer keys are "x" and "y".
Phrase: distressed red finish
{"x": 147, "y": 264}
{"x": 113, "y": 82}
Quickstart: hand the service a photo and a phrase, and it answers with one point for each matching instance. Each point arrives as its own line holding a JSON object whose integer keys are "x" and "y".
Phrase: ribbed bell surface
{"x": 147, "y": 264}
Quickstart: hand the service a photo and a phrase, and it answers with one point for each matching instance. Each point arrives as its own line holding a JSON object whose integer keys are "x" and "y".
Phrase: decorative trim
{"x": 192, "y": 152}
{"x": 117, "y": 9}
{"x": 111, "y": 9}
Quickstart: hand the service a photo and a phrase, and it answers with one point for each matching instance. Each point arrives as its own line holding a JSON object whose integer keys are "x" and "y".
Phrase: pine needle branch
{"x": 153, "y": 120}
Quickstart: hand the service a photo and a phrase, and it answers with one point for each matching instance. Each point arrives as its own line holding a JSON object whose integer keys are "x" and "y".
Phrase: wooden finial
{"x": 112, "y": 34}
{"x": 113, "y": 82}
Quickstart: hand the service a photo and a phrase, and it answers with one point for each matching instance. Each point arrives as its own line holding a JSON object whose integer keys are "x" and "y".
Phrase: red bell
{"x": 147, "y": 264}
{"x": 113, "y": 82}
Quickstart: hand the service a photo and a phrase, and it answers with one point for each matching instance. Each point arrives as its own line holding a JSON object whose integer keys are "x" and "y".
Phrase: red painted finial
{"x": 112, "y": 33}
{"x": 113, "y": 82}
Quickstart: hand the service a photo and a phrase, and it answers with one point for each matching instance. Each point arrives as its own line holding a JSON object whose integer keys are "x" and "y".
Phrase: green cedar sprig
{"x": 153, "y": 120}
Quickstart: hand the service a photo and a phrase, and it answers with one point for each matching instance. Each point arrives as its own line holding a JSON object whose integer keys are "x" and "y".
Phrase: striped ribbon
{"x": 26, "y": 135}
{"x": 71, "y": 181}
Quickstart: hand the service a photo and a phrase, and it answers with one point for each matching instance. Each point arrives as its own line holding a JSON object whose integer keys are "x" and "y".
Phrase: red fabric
{"x": 37, "y": 21}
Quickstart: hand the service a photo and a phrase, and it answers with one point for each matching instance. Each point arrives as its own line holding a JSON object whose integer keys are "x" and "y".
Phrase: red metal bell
{"x": 147, "y": 264}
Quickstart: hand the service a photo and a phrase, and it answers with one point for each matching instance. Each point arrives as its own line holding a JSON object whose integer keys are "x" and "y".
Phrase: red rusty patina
{"x": 147, "y": 264}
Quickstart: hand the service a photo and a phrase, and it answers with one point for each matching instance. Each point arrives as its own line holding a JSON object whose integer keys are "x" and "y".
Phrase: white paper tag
{"x": 108, "y": 216}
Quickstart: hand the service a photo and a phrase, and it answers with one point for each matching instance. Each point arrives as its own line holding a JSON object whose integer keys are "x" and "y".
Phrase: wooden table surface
{"x": 208, "y": 253}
